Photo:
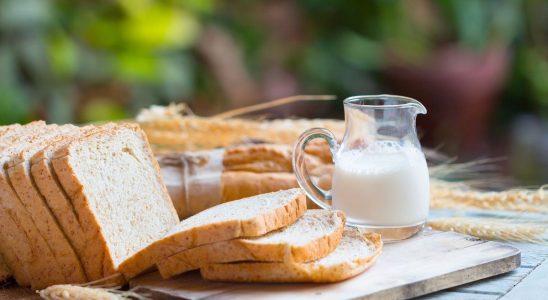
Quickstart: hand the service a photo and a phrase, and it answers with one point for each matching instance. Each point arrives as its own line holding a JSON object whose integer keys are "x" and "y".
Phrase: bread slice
{"x": 81, "y": 238}
{"x": 12, "y": 238}
{"x": 248, "y": 217}
{"x": 18, "y": 169}
{"x": 355, "y": 254}
{"x": 8, "y": 229}
{"x": 5, "y": 271}
{"x": 316, "y": 234}
{"x": 14, "y": 244}
{"x": 115, "y": 187}
{"x": 25, "y": 238}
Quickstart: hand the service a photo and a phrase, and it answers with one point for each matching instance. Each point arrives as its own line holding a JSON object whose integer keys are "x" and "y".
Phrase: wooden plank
{"x": 424, "y": 264}
{"x": 532, "y": 255}
{"x": 534, "y": 286}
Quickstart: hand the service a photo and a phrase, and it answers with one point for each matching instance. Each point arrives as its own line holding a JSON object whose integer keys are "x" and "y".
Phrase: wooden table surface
{"x": 530, "y": 281}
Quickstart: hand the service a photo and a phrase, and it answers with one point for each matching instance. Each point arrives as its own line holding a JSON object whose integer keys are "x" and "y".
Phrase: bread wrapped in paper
{"x": 202, "y": 179}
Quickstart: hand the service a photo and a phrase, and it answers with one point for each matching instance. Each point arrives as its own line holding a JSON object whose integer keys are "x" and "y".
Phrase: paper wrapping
{"x": 199, "y": 180}
{"x": 193, "y": 180}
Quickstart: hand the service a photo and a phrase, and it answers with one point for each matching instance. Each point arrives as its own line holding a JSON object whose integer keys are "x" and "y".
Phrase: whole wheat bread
{"x": 8, "y": 228}
{"x": 30, "y": 245}
{"x": 316, "y": 234}
{"x": 248, "y": 217}
{"x": 16, "y": 245}
{"x": 114, "y": 184}
{"x": 5, "y": 271}
{"x": 355, "y": 254}
{"x": 82, "y": 238}
{"x": 245, "y": 171}
{"x": 18, "y": 169}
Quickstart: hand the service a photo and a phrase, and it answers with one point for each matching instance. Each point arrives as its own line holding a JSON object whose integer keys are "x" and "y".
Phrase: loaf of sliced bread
{"x": 355, "y": 254}
{"x": 9, "y": 231}
{"x": 18, "y": 169}
{"x": 49, "y": 188}
{"x": 248, "y": 217}
{"x": 116, "y": 190}
{"x": 31, "y": 246}
{"x": 313, "y": 236}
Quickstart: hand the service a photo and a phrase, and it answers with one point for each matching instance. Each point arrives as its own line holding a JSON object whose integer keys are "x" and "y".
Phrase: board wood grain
{"x": 426, "y": 263}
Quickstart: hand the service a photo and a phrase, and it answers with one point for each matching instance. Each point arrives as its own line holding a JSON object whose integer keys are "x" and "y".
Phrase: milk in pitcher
{"x": 385, "y": 184}
{"x": 381, "y": 179}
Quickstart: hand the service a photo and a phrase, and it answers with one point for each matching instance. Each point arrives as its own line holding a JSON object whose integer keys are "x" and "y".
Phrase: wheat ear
{"x": 492, "y": 229}
{"x": 455, "y": 195}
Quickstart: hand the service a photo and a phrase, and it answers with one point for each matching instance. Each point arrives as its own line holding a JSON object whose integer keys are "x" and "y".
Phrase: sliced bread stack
{"x": 76, "y": 202}
{"x": 265, "y": 238}
{"x": 248, "y": 217}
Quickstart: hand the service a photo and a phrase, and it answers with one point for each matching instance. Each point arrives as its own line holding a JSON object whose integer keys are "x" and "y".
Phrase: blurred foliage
{"x": 63, "y": 60}
{"x": 69, "y": 61}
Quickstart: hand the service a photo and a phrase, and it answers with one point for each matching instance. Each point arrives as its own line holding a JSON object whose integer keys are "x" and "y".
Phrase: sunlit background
{"x": 480, "y": 67}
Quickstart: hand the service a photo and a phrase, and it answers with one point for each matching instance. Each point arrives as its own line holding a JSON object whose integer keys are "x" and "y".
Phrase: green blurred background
{"x": 480, "y": 67}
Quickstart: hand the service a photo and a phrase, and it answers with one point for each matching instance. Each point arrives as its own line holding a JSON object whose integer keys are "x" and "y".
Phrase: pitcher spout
{"x": 419, "y": 108}
{"x": 385, "y": 101}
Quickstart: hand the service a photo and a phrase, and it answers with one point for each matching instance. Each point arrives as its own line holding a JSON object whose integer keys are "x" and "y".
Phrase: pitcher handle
{"x": 316, "y": 194}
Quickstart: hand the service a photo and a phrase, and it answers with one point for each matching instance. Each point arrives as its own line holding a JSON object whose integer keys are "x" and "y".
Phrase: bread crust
{"x": 258, "y": 158}
{"x": 10, "y": 257}
{"x": 242, "y": 184}
{"x": 47, "y": 225}
{"x": 251, "y": 250}
{"x": 8, "y": 228}
{"x": 12, "y": 235}
{"x": 5, "y": 271}
{"x": 275, "y": 218}
{"x": 295, "y": 272}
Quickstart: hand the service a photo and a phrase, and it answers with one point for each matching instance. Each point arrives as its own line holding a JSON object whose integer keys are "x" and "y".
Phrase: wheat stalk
{"x": 175, "y": 128}
{"x": 199, "y": 133}
{"x": 459, "y": 195}
{"x": 273, "y": 103}
{"x": 96, "y": 290}
{"x": 493, "y": 229}
{"x": 77, "y": 292}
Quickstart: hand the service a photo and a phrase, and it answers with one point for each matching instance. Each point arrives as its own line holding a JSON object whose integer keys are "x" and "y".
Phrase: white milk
{"x": 382, "y": 185}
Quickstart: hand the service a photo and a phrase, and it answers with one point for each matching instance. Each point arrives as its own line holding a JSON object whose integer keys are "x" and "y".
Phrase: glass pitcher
{"x": 380, "y": 179}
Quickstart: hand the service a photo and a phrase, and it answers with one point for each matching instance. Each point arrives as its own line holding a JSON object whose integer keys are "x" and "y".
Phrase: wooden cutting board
{"x": 428, "y": 262}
